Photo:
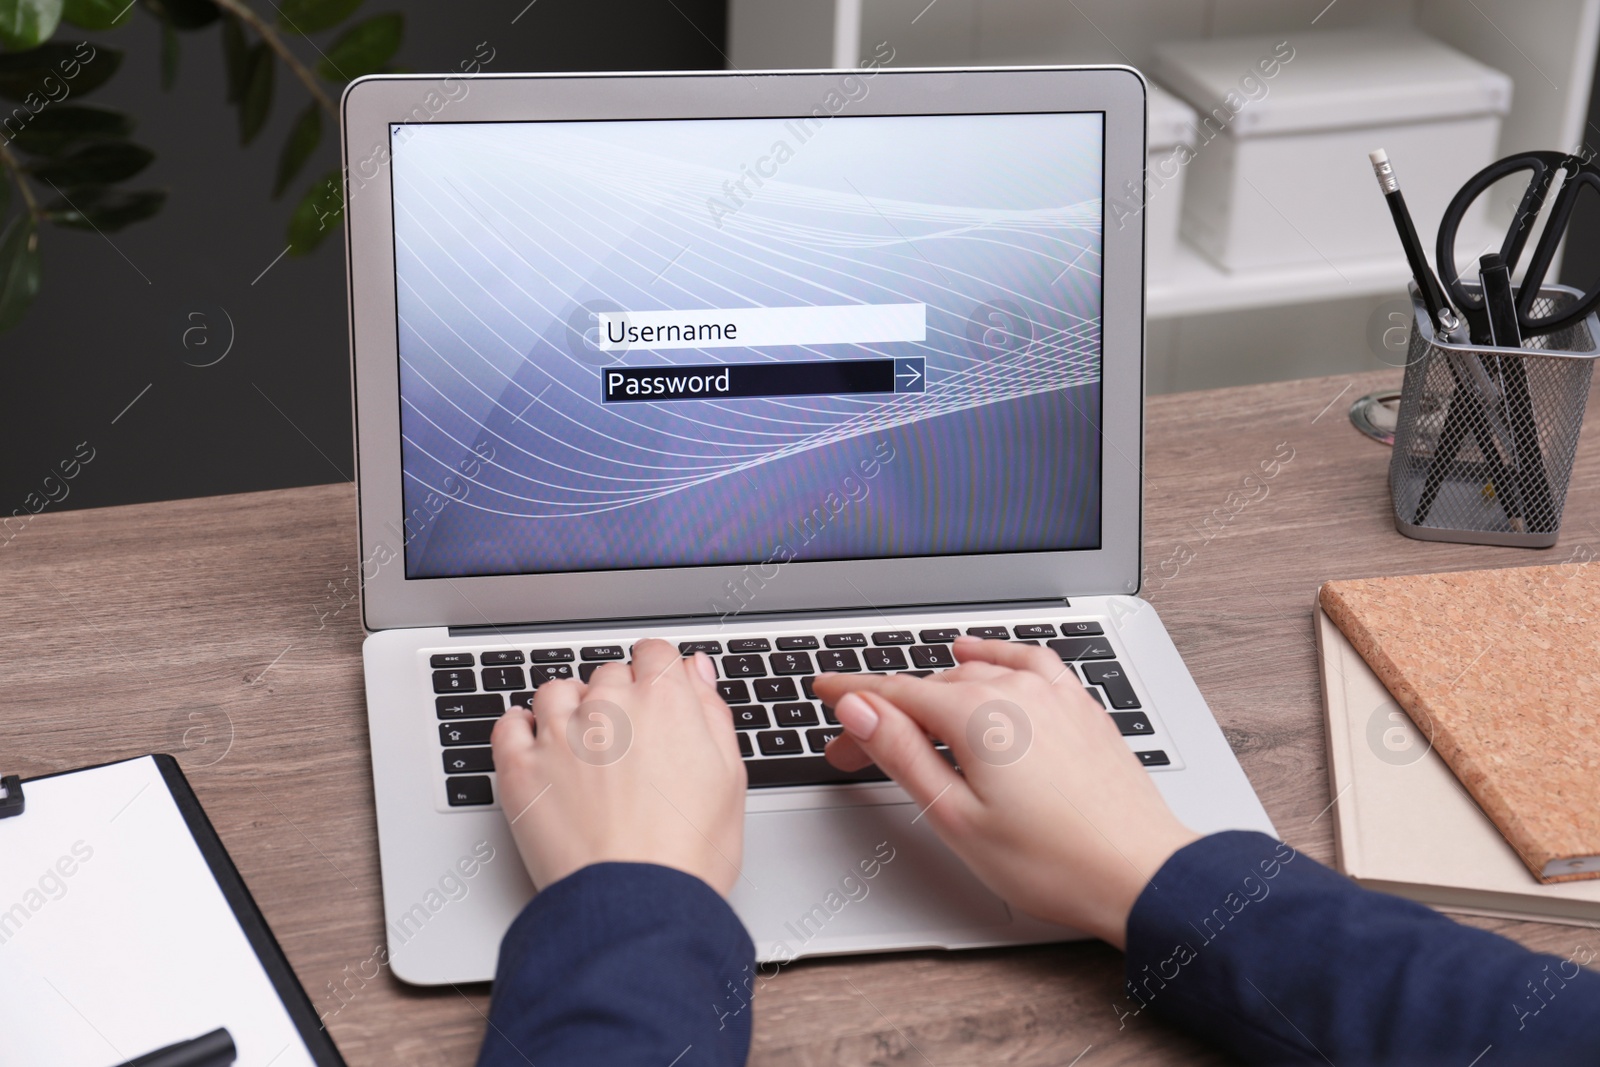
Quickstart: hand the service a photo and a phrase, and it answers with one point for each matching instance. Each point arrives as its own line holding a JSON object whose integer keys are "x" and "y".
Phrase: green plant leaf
{"x": 298, "y": 148}
{"x": 19, "y": 269}
{"x": 312, "y": 16}
{"x": 56, "y": 128}
{"x": 318, "y": 215}
{"x": 56, "y": 70}
{"x": 184, "y": 14}
{"x": 99, "y": 207}
{"x": 97, "y": 14}
{"x": 364, "y": 48}
{"x": 28, "y": 23}
{"x": 110, "y": 161}
{"x": 235, "y": 57}
{"x": 256, "y": 103}
{"x": 169, "y": 55}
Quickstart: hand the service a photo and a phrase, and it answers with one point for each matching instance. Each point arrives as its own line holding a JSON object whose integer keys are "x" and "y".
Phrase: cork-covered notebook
{"x": 1501, "y": 671}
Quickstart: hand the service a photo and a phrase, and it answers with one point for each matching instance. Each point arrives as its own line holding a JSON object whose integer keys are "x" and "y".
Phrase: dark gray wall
{"x": 109, "y": 325}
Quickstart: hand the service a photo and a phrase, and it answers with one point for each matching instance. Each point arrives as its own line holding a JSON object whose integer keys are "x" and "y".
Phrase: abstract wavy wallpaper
{"x": 976, "y": 241}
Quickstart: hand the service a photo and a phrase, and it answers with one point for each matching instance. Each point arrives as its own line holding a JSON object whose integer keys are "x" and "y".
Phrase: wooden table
{"x": 222, "y": 630}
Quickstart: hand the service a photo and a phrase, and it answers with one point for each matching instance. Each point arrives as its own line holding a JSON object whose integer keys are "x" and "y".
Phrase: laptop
{"x": 810, "y": 371}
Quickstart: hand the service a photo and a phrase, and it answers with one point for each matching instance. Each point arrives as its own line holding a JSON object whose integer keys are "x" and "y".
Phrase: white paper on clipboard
{"x": 115, "y": 938}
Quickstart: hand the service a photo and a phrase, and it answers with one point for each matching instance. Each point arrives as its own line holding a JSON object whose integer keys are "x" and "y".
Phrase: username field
{"x": 841, "y": 324}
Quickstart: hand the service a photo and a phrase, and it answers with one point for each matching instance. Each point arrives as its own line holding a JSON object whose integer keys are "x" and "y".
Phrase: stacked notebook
{"x": 1463, "y": 717}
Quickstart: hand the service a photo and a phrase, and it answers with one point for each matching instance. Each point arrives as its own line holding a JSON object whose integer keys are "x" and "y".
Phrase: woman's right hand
{"x": 1052, "y": 810}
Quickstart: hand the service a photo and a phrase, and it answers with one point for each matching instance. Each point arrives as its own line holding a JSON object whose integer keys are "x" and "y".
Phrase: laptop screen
{"x": 670, "y": 343}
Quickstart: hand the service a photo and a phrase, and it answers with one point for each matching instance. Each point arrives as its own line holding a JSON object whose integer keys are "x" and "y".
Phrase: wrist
{"x": 1140, "y": 872}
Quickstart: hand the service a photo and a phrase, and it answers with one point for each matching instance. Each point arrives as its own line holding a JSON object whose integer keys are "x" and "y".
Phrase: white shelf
{"x": 1190, "y": 284}
{"x": 1193, "y": 285}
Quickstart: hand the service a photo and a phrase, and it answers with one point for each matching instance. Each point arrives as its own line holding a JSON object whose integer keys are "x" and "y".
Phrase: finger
{"x": 974, "y": 671}
{"x": 525, "y": 702}
{"x": 898, "y": 746}
{"x": 937, "y": 708}
{"x": 705, "y": 670}
{"x": 702, "y": 675}
{"x": 830, "y": 686}
{"x": 513, "y": 740}
{"x": 702, "y": 679}
{"x": 655, "y": 661}
{"x": 553, "y": 705}
{"x": 611, "y": 674}
{"x": 1041, "y": 661}
{"x": 846, "y": 753}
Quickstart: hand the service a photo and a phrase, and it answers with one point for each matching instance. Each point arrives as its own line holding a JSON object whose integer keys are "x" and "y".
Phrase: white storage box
{"x": 1171, "y": 134}
{"x": 1280, "y": 173}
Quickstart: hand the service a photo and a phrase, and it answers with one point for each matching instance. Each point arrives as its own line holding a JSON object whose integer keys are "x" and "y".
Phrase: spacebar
{"x": 805, "y": 770}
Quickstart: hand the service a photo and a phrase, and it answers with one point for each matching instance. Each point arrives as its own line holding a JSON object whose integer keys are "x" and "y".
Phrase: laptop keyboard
{"x": 782, "y": 727}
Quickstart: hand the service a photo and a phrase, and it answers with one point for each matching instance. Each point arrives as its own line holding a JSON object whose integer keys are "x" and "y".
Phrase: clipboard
{"x": 125, "y": 926}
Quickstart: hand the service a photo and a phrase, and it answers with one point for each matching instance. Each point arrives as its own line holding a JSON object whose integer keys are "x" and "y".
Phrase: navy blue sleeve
{"x": 1278, "y": 959}
{"x": 621, "y": 963}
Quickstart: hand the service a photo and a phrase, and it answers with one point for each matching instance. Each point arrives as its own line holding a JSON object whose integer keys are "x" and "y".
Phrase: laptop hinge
{"x": 641, "y": 622}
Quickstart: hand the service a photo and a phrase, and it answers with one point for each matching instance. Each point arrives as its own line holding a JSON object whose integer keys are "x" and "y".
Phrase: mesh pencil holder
{"x": 1485, "y": 439}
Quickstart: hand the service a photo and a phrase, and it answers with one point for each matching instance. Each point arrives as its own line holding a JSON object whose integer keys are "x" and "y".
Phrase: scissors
{"x": 1542, "y": 168}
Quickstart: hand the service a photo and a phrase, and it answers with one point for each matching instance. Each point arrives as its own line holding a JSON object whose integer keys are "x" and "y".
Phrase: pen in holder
{"x": 1485, "y": 438}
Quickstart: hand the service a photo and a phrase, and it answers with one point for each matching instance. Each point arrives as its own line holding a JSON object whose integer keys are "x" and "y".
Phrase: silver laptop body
{"x": 812, "y": 370}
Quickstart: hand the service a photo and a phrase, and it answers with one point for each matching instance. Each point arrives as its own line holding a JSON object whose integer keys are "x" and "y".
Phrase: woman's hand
{"x": 1051, "y": 809}
{"x": 638, "y": 766}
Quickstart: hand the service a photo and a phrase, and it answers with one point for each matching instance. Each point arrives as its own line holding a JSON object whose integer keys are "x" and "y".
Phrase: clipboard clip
{"x": 11, "y": 799}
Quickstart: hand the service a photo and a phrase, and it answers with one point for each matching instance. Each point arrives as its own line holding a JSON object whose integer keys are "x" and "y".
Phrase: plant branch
{"x": 28, "y": 199}
{"x": 248, "y": 16}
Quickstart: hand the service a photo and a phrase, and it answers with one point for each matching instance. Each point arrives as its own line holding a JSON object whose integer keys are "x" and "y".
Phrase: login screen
{"x": 642, "y": 344}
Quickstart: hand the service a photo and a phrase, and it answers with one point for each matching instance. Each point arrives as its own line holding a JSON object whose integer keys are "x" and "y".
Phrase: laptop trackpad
{"x": 856, "y": 878}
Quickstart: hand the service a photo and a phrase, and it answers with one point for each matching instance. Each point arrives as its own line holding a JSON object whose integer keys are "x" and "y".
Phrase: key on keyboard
{"x": 743, "y": 666}
{"x": 791, "y": 663}
{"x": 750, "y": 717}
{"x": 463, "y": 792}
{"x": 1107, "y": 674}
{"x": 794, "y": 714}
{"x": 503, "y": 677}
{"x": 470, "y": 707}
{"x": 885, "y": 659}
{"x": 838, "y": 661}
{"x": 548, "y": 672}
{"x": 471, "y": 732}
{"x": 772, "y": 689}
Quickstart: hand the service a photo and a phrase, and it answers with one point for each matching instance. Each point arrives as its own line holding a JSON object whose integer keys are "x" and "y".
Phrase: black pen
{"x": 1499, "y": 301}
{"x": 1444, "y": 318}
{"x": 208, "y": 1050}
{"x": 1532, "y": 483}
